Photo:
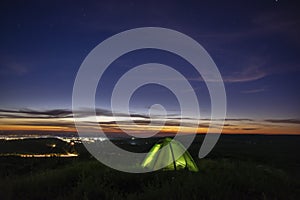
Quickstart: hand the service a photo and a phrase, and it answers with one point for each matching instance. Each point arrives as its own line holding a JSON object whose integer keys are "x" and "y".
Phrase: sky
{"x": 255, "y": 45}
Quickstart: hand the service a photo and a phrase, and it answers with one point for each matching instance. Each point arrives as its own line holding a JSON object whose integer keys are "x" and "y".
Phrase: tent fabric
{"x": 168, "y": 154}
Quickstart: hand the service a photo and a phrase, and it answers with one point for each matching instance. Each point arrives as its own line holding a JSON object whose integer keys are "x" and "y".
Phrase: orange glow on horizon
{"x": 165, "y": 129}
{"x": 230, "y": 127}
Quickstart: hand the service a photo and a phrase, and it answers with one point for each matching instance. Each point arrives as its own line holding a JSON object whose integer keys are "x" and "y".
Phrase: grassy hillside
{"x": 217, "y": 179}
{"x": 236, "y": 169}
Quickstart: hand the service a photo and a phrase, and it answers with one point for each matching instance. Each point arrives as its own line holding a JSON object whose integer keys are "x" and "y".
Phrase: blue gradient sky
{"x": 255, "y": 45}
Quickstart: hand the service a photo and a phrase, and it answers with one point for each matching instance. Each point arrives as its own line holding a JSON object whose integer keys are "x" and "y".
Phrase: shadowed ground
{"x": 240, "y": 167}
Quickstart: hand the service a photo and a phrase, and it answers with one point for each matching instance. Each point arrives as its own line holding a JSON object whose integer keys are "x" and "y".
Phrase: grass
{"x": 217, "y": 179}
{"x": 224, "y": 174}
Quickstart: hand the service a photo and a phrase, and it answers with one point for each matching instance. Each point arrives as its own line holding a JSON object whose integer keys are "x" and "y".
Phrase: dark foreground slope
{"x": 240, "y": 167}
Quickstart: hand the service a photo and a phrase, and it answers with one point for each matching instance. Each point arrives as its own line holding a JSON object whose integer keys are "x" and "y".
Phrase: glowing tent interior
{"x": 168, "y": 154}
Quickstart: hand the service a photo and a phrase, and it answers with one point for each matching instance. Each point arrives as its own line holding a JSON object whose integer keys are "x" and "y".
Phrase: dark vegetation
{"x": 239, "y": 167}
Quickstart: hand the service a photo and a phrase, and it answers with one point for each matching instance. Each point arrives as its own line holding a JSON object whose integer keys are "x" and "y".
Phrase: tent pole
{"x": 174, "y": 162}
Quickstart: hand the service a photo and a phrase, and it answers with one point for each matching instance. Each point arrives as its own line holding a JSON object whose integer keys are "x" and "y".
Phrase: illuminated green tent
{"x": 167, "y": 152}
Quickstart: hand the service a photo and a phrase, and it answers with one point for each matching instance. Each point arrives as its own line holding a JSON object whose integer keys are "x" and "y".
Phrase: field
{"x": 239, "y": 167}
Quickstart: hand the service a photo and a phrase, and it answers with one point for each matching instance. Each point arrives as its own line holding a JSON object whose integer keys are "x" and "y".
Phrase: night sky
{"x": 255, "y": 45}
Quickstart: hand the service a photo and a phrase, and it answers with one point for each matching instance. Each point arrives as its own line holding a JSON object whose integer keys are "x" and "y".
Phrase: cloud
{"x": 285, "y": 121}
{"x": 239, "y": 119}
{"x": 9, "y": 66}
{"x": 46, "y": 123}
{"x": 244, "y": 74}
{"x": 249, "y": 129}
{"x": 61, "y": 120}
{"x": 247, "y": 74}
{"x": 59, "y": 113}
{"x": 253, "y": 91}
{"x": 259, "y": 47}
{"x": 28, "y": 113}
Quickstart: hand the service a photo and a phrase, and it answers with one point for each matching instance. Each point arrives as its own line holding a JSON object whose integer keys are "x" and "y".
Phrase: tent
{"x": 168, "y": 154}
